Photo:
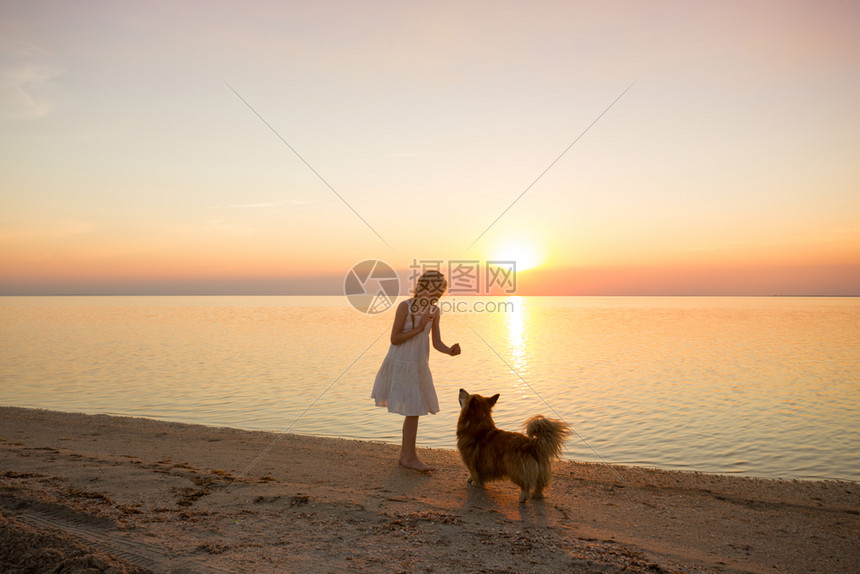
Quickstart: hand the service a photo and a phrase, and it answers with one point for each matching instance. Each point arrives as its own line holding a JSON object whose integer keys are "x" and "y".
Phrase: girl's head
{"x": 430, "y": 285}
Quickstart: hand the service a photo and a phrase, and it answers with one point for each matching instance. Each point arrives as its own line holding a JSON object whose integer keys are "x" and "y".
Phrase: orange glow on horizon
{"x": 838, "y": 280}
{"x": 826, "y": 267}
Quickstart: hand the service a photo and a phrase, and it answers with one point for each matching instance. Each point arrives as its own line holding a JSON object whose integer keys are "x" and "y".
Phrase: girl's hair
{"x": 431, "y": 281}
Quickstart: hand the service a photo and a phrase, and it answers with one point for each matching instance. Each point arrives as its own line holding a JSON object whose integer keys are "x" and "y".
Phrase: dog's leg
{"x": 524, "y": 495}
{"x": 474, "y": 481}
{"x": 543, "y": 478}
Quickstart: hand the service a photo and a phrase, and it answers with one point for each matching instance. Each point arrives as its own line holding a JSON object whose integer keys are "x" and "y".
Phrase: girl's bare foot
{"x": 415, "y": 464}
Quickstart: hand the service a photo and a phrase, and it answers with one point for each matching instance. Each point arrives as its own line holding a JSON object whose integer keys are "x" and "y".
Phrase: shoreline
{"x": 394, "y": 440}
{"x": 142, "y": 495}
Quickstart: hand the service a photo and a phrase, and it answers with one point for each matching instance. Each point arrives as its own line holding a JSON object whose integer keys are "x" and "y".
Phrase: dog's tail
{"x": 548, "y": 435}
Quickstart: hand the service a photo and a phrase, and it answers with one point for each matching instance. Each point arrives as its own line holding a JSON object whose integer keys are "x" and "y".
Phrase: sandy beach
{"x": 83, "y": 493}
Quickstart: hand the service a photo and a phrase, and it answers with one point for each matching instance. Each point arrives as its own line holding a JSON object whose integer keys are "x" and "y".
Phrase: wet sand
{"x": 115, "y": 494}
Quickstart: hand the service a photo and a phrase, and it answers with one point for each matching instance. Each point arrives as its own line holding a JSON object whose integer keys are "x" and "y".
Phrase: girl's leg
{"x": 408, "y": 453}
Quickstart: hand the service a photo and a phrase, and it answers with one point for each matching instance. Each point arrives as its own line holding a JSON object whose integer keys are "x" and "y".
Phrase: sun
{"x": 523, "y": 253}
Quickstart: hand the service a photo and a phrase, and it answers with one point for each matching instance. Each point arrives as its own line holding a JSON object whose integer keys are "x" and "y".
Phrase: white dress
{"x": 404, "y": 383}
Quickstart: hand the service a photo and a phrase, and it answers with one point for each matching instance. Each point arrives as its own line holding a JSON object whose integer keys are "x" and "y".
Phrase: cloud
{"x": 26, "y": 81}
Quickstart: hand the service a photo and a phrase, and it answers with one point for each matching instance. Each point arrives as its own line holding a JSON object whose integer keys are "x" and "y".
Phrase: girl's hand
{"x": 426, "y": 318}
{"x": 455, "y": 350}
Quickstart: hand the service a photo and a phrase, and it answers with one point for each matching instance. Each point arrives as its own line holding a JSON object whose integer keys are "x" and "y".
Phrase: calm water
{"x": 756, "y": 386}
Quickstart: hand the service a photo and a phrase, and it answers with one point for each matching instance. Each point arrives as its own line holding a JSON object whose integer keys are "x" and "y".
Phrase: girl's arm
{"x": 437, "y": 340}
{"x": 397, "y": 336}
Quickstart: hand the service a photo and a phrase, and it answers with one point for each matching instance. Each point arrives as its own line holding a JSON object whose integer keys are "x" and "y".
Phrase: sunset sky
{"x": 129, "y": 165}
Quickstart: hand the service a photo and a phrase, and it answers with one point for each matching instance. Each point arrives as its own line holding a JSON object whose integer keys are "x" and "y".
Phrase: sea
{"x": 753, "y": 386}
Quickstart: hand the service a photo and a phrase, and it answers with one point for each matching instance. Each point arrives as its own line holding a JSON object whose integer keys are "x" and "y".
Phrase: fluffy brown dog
{"x": 493, "y": 454}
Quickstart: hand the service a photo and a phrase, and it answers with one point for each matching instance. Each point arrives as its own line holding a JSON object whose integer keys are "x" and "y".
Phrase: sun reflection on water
{"x": 518, "y": 342}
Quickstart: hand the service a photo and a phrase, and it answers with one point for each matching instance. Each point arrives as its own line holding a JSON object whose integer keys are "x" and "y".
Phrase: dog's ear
{"x": 463, "y": 396}
{"x": 492, "y": 400}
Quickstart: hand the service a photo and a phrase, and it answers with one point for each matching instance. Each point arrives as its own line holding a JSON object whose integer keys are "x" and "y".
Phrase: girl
{"x": 404, "y": 383}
